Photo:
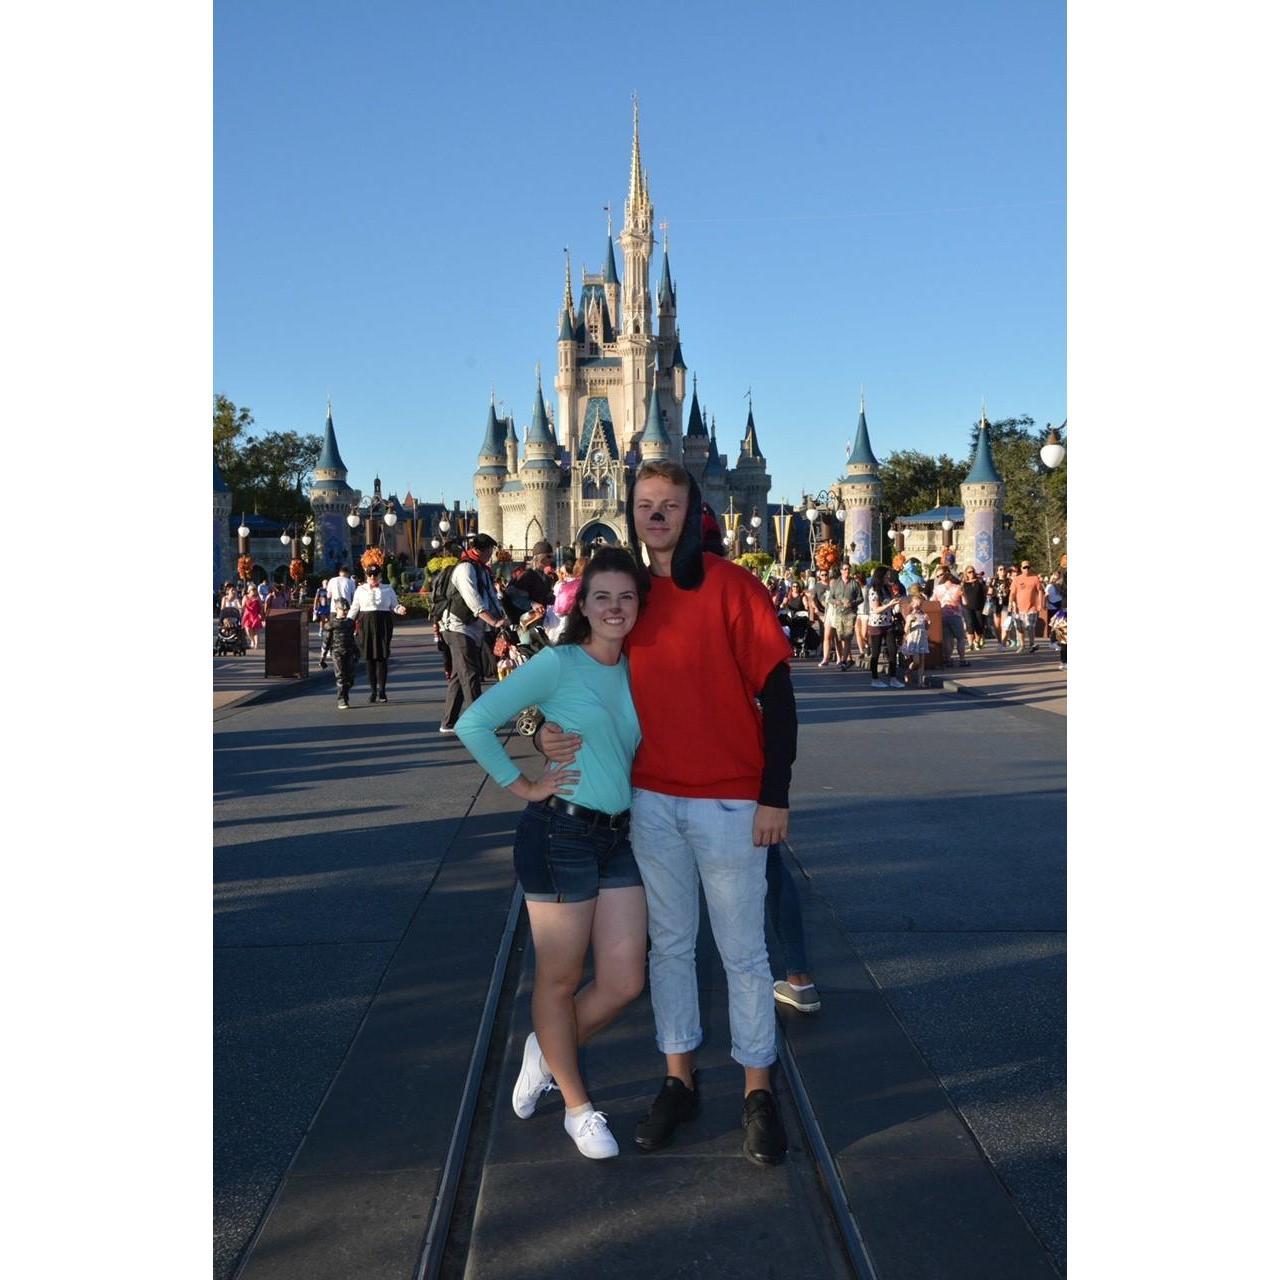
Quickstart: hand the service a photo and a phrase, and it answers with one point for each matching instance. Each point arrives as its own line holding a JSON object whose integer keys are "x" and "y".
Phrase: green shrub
{"x": 759, "y": 562}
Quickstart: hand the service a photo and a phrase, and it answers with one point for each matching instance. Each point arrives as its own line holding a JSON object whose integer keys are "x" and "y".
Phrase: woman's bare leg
{"x": 561, "y": 933}
{"x": 617, "y": 951}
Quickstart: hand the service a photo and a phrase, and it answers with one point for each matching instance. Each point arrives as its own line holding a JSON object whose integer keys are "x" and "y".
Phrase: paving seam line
{"x": 855, "y": 1247}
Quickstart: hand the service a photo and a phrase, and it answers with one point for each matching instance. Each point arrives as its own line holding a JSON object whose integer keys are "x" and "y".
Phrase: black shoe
{"x": 382, "y": 697}
{"x": 766, "y": 1140}
{"x": 675, "y": 1104}
{"x": 373, "y": 697}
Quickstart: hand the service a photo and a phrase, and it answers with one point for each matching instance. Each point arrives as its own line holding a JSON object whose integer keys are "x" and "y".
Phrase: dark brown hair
{"x": 576, "y": 629}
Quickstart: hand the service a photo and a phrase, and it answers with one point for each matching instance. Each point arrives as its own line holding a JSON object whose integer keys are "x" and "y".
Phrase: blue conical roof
{"x": 677, "y": 356}
{"x": 653, "y": 427}
{"x": 696, "y": 425}
{"x": 610, "y": 266}
{"x": 983, "y": 470}
{"x": 220, "y": 484}
{"x": 566, "y": 326}
{"x": 539, "y": 427}
{"x": 862, "y": 443}
{"x": 492, "y": 437}
{"x": 665, "y": 292}
{"x": 330, "y": 459}
{"x": 750, "y": 445}
{"x": 714, "y": 466}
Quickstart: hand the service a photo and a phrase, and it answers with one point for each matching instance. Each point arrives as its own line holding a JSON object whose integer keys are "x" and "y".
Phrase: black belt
{"x": 614, "y": 821}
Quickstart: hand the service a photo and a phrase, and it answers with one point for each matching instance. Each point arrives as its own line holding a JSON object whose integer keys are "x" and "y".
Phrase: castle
{"x": 620, "y": 393}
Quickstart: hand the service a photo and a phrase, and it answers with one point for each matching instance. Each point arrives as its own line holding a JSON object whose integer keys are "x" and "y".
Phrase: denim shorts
{"x": 560, "y": 858}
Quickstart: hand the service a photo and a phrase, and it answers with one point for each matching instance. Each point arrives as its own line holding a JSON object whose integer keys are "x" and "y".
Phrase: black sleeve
{"x": 778, "y": 705}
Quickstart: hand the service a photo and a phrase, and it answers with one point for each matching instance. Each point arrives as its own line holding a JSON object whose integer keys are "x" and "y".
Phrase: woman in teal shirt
{"x": 572, "y": 851}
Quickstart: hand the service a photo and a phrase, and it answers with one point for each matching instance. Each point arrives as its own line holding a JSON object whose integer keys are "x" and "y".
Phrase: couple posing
{"x": 664, "y": 771}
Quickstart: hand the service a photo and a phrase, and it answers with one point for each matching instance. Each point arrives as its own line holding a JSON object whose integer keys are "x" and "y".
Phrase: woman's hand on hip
{"x": 555, "y": 781}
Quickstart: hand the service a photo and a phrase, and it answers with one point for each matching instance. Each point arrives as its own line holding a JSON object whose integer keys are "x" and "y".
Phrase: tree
{"x": 269, "y": 473}
{"x": 913, "y": 482}
{"x": 229, "y": 424}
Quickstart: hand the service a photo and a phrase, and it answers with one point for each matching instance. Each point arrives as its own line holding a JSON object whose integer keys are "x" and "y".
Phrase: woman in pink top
{"x": 566, "y": 591}
{"x": 251, "y": 617}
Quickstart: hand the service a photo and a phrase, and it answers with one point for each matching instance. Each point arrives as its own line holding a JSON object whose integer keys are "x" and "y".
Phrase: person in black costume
{"x": 374, "y": 605}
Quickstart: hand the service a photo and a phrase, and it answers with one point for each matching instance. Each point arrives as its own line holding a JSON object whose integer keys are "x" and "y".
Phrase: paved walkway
{"x": 1031, "y": 679}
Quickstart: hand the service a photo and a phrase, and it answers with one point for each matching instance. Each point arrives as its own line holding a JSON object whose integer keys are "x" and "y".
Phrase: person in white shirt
{"x": 342, "y": 586}
{"x": 372, "y": 609}
{"x": 473, "y": 605}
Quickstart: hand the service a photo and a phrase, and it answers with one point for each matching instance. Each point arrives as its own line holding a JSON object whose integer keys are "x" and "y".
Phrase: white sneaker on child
{"x": 533, "y": 1080}
{"x": 590, "y": 1131}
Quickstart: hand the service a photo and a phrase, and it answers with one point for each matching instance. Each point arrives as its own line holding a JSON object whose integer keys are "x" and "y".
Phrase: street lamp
{"x": 1053, "y": 451}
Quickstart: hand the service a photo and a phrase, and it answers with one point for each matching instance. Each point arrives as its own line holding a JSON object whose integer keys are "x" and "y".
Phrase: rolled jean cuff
{"x": 680, "y": 1046}
{"x": 750, "y": 1059}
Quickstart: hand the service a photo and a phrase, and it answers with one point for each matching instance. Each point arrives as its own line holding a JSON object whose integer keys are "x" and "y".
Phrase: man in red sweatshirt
{"x": 710, "y": 794}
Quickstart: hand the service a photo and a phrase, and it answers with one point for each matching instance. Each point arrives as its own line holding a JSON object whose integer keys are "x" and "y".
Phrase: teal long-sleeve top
{"x": 581, "y": 695}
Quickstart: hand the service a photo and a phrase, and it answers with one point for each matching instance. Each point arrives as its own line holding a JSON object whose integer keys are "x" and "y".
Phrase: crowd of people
{"x": 881, "y": 621}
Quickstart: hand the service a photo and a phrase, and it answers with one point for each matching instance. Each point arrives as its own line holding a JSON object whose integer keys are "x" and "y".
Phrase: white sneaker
{"x": 446, "y": 729}
{"x": 532, "y": 1082}
{"x": 896, "y": 684}
{"x": 879, "y": 684}
{"x": 591, "y": 1133}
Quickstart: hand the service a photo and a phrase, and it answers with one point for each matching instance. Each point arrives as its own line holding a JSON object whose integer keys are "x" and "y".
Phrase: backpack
{"x": 439, "y": 597}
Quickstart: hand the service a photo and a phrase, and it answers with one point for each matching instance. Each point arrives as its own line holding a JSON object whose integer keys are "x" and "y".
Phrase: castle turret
{"x": 491, "y": 475}
{"x": 655, "y": 443}
{"x": 697, "y": 443}
{"x": 982, "y": 495}
{"x": 861, "y": 493}
{"x": 637, "y": 242}
{"x": 666, "y": 301}
{"x": 539, "y": 477}
{"x": 224, "y": 559}
{"x": 715, "y": 477}
{"x": 751, "y": 479}
{"x": 331, "y": 499}
{"x": 609, "y": 277}
{"x": 566, "y": 360}
{"x": 511, "y": 444}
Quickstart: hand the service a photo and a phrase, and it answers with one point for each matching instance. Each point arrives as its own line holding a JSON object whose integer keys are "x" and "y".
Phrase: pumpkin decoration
{"x": 297, "y": 570}
{"x": 244, "y": 568}
{"x": 372, "y": 557}
{"x": 899, "y": 562}
{"x": 827, "y": 555}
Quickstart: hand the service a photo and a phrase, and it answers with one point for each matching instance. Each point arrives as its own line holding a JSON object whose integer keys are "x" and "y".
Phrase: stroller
{"x": 230, "y": 638}
{"x": 804, "y": 636}
{"x": 513, "y": 648}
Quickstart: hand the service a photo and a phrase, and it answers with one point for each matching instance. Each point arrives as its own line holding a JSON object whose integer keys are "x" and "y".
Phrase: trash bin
{"x": 286, "y": 643}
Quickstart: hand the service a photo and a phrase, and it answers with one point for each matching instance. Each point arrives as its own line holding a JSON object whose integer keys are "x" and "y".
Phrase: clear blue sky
{"x": 859, "y": 195}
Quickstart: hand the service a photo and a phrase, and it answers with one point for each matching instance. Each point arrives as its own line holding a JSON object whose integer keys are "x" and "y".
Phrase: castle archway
{"x": 598, "y": 534}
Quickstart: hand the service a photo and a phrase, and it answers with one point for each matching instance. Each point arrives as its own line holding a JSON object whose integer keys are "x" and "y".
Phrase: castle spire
{"x": 860, "y": 456}
{"x": 636, "y": 190}
{"x": 539, "y": 428}
{"x": 655, "y": 430}
{"x": 750, "y": 444}
{"x": 568, "y": 283}
{"x": 610, "y": 268}
{"x": 330, "y": 459}
{"x": 697, "y": 427}
{"x": 983, "y": 470}
{"x": 666, "y": 294}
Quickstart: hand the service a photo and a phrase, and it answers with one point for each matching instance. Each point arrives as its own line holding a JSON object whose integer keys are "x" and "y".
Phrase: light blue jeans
{"x": 676, "y": 842}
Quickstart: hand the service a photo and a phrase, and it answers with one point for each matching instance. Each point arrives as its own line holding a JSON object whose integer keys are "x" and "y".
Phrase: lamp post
{"x": 818, "y": 509}
{"x": 732, "y": 519}
{"x": 1052, "y": 455}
